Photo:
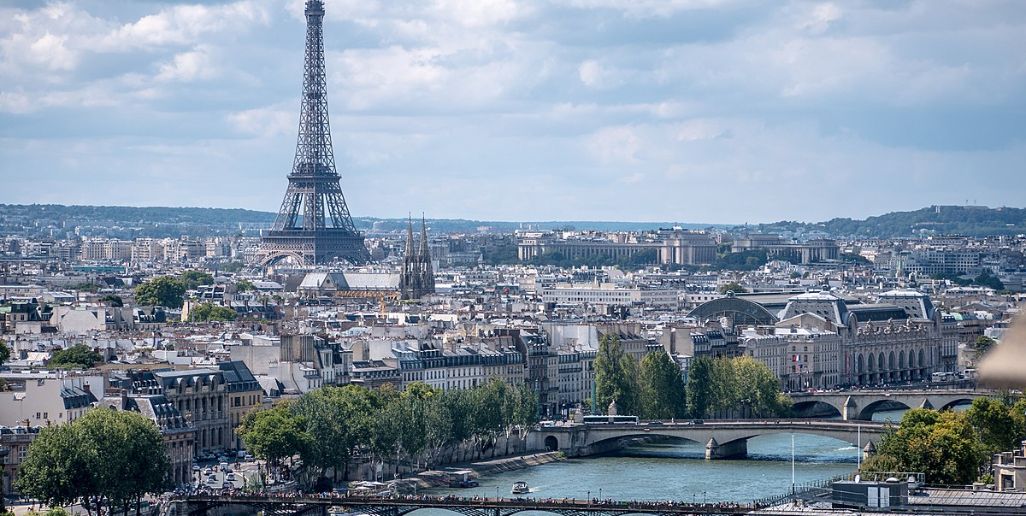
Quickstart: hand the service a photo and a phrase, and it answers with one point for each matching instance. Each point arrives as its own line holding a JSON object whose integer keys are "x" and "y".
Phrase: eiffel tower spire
{"x": 313, "y": 224}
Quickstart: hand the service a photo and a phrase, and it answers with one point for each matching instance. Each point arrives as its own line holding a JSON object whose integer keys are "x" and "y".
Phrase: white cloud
{"x": 615, "y": 145}
{"x": 594, "y": 75}
{"x": 265, "y": 122}
{"x": 184, "y": 25}
{"x": 821, "y": 17}
{"x": 195, "y": 64}
{"x": 554, "y": 101}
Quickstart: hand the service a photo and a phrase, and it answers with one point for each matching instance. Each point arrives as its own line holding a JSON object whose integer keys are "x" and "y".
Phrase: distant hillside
{"x": 940, "y": 220}
{"x": 58, "y": 221}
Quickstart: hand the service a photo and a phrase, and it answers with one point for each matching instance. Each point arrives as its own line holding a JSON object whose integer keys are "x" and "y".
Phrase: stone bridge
{"x": 861, "y": 405}
{"x": 197, "y": 505}
{"x": 722, "y": 439}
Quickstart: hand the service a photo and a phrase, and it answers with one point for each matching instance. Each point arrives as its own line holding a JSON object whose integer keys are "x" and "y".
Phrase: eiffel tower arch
{"x": 313, "y": 224}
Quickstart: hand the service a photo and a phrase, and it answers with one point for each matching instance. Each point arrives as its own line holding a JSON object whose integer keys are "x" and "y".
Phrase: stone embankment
{"x": 440, "y": 478}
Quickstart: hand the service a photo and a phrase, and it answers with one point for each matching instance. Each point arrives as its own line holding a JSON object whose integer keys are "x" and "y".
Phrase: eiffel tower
{"x": 313, "y": 224}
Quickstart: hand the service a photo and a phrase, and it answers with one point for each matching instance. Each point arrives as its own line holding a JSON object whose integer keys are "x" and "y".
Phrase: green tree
{"x": 616, "y": 376}
{"x": 105, "y": 458}
{"x": 194, "y": 279}
{"x": 995, "y": 424}
{"x": 758, "y": 389}
{"x": 734, "y": 287}
{"x": 662, "y": 387}
{"x": 78, "y": 356}
{"x": 943, "y": 445}
{"x": 5, "y": 352}
{"x": 274, "y": 434}
{"x": 699, "y": 389}
{"x": 983, "y": 344}
{"x": 112, "y": 300}
{"x": 205, "y": 312}
{"x": 161, "y": 291}
{"x": 726, "y": 394}
{"x": 56, "y": 469}
{"x": 337, "y": 421}
{"x": 244, "y": 286}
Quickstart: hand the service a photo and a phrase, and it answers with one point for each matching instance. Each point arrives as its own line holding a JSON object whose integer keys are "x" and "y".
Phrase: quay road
{"x": 722, "y": 438}
{"x": 196, "y": 505}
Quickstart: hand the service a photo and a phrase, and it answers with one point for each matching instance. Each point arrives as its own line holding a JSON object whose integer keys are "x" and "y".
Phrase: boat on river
{"x": 520, "y": 488}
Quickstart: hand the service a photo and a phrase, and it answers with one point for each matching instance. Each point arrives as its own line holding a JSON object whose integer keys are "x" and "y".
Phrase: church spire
{"x": 425, "y": 253}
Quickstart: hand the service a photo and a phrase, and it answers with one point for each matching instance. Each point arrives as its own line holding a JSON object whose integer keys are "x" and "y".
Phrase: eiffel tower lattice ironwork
{"x": 313, "y": 224}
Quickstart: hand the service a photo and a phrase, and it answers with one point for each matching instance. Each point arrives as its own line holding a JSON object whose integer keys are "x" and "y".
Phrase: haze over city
{"x": 704, "y": 110}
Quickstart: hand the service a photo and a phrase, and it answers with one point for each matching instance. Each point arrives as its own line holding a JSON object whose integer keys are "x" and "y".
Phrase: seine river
{"x": 678, "y": 471}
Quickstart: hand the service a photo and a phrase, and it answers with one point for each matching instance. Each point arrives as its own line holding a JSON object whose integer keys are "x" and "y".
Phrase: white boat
{"x": 520, "y": 488}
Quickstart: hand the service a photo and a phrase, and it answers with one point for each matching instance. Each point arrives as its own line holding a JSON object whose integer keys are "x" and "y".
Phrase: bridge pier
{"x": 737, "y": 449}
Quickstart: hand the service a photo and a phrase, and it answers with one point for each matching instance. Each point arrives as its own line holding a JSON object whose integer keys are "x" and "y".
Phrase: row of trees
{"x": 952, "y": 448}
{"x": 328, "y": 427}
{"x": 105, "y": 459}
{"x": 656, "y": 390}
{"x": 734, "y": 386}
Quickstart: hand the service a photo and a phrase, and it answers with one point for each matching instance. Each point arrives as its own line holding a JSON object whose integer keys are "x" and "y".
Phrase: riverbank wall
{"x": 476, "y": 470}
{"x": 514, "y": 447}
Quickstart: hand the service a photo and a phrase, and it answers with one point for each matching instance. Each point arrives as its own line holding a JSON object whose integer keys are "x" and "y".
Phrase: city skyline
{"x": 511, "y": 111}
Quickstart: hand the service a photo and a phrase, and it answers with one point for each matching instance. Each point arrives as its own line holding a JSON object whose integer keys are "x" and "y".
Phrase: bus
{"x": 942, "y": 377}
{"x": 610, "y": 420}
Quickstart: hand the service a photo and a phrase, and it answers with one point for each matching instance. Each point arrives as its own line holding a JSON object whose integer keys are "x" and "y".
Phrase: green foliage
{"x": 739, "y": 385}
{"x": 78, "y": 356}
{"x": 5, "y": 352}
{"x": 662, "y": 388}
{"x": 274, "y": 434}
{"x": 741, "y": 261}
{"x": 616, "y": 377}
{"x": 983, "y": 344}
{"x": 205, "y": 312}
{"x": 989, "y": 280}
{"x": 974, "y": 221}
{"x": 329, "y": 426}
{"x": 161, "y": 291}
{"x": 943, "y": 445}
{"x": 996, "y": 422}
{"x": 699, "y": 387}
{"x": 244, "y": 286}
{"x": 855, "y": 258}
{"x": 232, "y": 267}
{"x": 193, "y": 279}
{"x": 106, "y": 457}
{"x": 734, "y": 287}
{"x": 112, "y": 300}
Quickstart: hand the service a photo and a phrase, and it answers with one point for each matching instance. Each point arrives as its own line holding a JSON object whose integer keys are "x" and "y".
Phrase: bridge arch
{"x": 956, "y": 402}
{"x": 816, "y": 408}
{"x": 867, "y": 412}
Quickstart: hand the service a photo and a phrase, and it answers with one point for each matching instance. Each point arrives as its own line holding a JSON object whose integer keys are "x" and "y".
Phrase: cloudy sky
{"x": 663, "y": 110}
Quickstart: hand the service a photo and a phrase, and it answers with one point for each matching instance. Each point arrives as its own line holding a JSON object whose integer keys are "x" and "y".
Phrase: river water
{"x": 677, "y": 470}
